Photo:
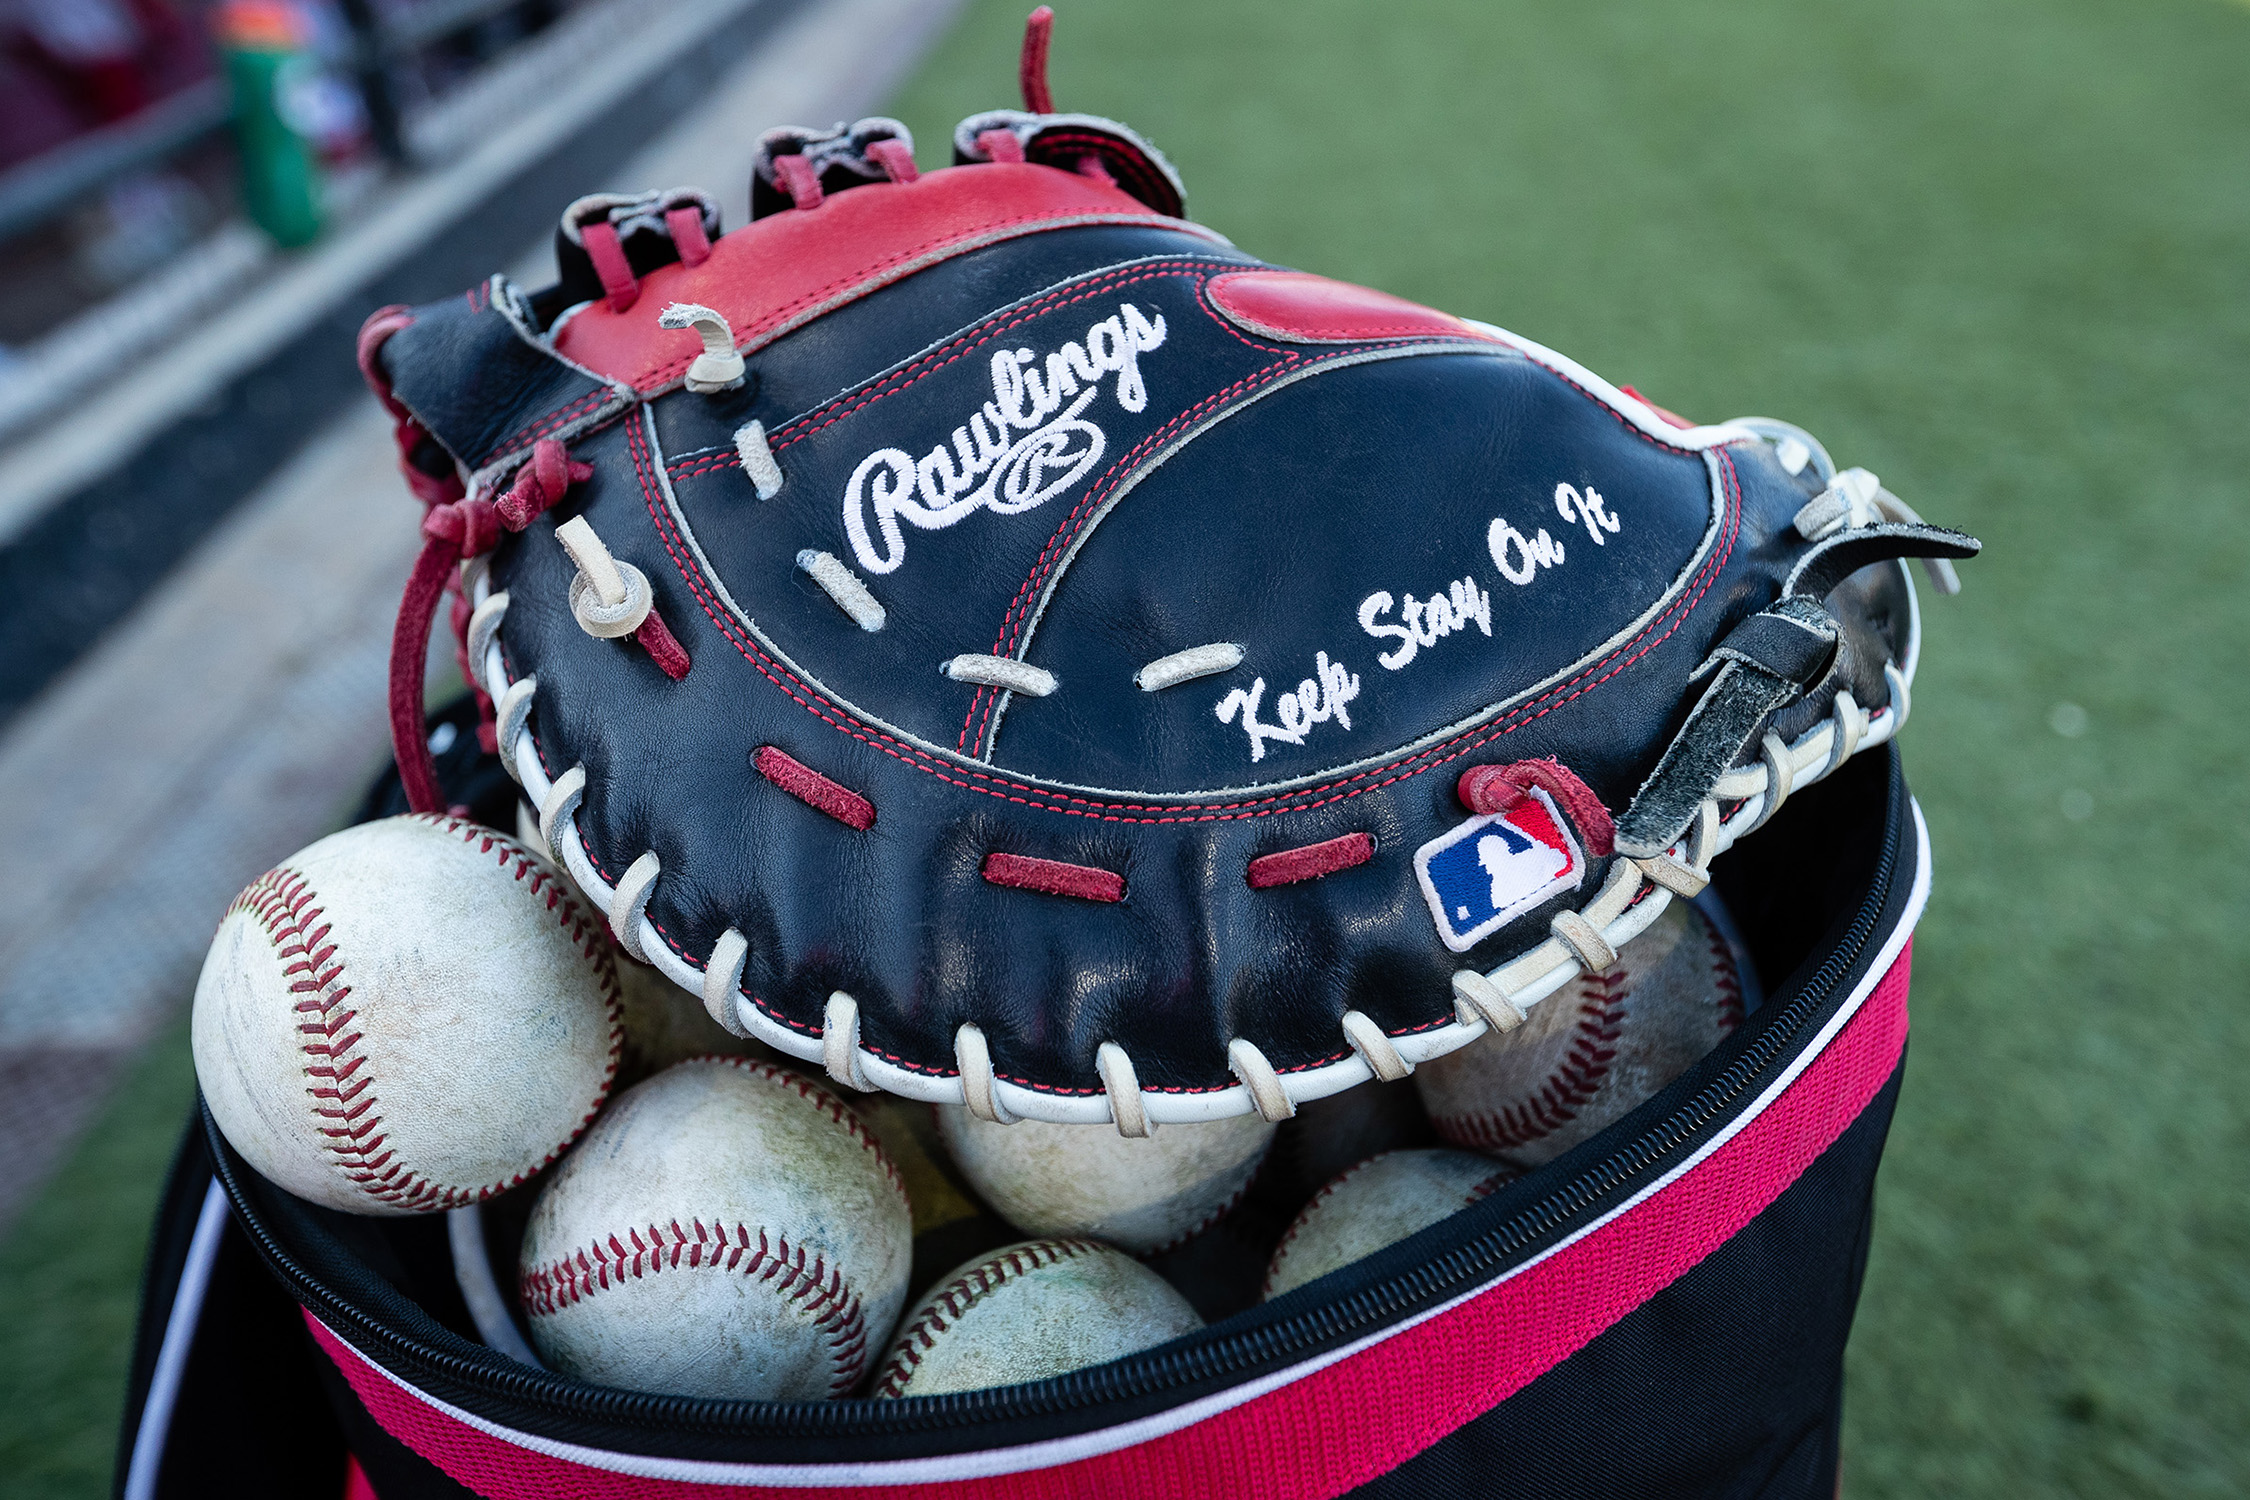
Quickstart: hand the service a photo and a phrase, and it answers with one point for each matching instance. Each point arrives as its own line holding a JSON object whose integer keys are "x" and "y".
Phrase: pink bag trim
{"x": 1395, "y": 1394}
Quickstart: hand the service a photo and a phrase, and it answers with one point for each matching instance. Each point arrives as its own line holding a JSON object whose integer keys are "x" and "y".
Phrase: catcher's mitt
{"x": 986, "y": 634}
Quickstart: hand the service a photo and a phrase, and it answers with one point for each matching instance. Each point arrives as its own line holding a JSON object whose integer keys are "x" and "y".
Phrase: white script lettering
{"x": 989, "y": 467}
{"x": 1317, "y": 700}
{"x": 1424, "y": 622}
{"x": 1587, "y": 507}
{"x": 1518, "y": 557}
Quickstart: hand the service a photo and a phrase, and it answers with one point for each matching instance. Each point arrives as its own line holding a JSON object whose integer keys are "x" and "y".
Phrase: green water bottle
{"x": 264, "y": 44}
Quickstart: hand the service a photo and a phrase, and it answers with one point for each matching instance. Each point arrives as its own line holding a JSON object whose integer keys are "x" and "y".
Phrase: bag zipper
{"x": 1141, "y": 1377}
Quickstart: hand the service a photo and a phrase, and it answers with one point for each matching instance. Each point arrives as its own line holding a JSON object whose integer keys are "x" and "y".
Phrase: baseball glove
{"x": 987, "y": 635}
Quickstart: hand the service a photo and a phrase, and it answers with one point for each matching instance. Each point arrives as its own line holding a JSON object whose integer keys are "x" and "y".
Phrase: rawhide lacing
{"x": 1632, "y": 896}
{"x": 719, "y": 367}
{"x": 674, "y": 224}
{"x": 756, "y": 454}
{"x": 842, "y": 585}
{"x": 797, "y": 168}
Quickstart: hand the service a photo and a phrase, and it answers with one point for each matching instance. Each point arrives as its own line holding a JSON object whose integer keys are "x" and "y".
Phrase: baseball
{"x": 1028, "y": 1312}
{"x": 1141, "y": 1194}
{"x": 1593, "y": 1050}
{"x": 727, "y": 1229}
{"x": 1379, "y": 1202}
{"x": 1326, "y": 1136}
{"x": 664, "y": 1024}
{"x": 410, "y": 1015}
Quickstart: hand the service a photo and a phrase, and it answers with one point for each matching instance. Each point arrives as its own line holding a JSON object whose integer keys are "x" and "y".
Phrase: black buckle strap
{"x": 1763, "y": 663}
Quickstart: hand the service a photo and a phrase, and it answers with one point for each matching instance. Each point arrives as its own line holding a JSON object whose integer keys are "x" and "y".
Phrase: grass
{"x": 1994, "y": 250}
{"x": 70, "y": 1286}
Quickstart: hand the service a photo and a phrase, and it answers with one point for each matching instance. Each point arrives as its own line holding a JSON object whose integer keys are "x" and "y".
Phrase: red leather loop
{"x": 469, "y": 527}
{"x": 798, "y": 180}
{"x": 608, "y": 256}
{"x": 540, "y": 484}
{"x": 380, "y": 325}
{"x": 1031, "y": 68}
{"x": 452, "y": 531}
{"x": 895, "y": 159}
{"x": 410, "y": 435}
{"x": 410, "y": 640}
{"x": 686, "y": 225}
{"x": 1495, "y": 789}
{"x": 1001, "y": 146}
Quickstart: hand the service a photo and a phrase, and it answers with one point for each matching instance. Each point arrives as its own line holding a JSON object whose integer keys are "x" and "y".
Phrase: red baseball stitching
{"x": 791, "y": 1273}
{"x": 829, "y": 1104}
{"x": 1501, "y": 1174}
{"x": 281, "y": 903}
{"x": 1730, "y": 981}
{"x": 698, "y": 463}
{"x": 1572, "y": 1085}
{"x": 1215, "y": 1215}
{"x": 946, "y": 1307}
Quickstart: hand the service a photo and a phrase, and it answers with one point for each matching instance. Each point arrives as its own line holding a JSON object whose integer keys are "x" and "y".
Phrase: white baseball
{"x": 409, "y": 1015}
{"x": 1588, "y": 1054}
{"x": 1029, "y": 1312}
{"x": 728, "y": 1229}
{"x": 1379, "y": 1202}
{"x": 664, "y": 1024}
{"x": 1142, "y": 1194}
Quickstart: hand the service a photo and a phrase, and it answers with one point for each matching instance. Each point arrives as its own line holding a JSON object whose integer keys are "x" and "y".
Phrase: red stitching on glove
{"x": 1590, "y": 677}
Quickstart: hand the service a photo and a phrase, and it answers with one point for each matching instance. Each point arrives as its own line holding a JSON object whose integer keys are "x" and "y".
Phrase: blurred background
{"x": 1997, "y": 251}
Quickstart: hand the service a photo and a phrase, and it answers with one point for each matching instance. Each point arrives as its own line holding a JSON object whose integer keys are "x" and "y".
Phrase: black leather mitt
{"x": 984, "y": 633}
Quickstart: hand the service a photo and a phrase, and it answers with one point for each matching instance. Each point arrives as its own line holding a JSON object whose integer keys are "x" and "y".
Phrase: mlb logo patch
{"x": 1491, "y": 870}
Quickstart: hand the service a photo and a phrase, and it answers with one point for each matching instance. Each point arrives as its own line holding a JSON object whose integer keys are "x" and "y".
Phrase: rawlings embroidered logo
{"x": 1020, "y": 449}
{"x": 1491, "y": 870}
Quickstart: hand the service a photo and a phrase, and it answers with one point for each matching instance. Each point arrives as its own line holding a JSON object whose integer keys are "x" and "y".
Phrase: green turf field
{"x": 1996, "y": 251}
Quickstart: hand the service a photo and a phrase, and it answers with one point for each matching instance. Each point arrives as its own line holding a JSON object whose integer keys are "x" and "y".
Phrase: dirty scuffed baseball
{"x": 1029, "y": 1312}
{"x": 727, "y": 1229}
{"x": 664, "y": 1024}
{"x": 409, "y": 1015}
{"x": 1379, "y": 1202}
{"x": 1141, "y": 1194}
{"x": 1588, "y": 1054}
